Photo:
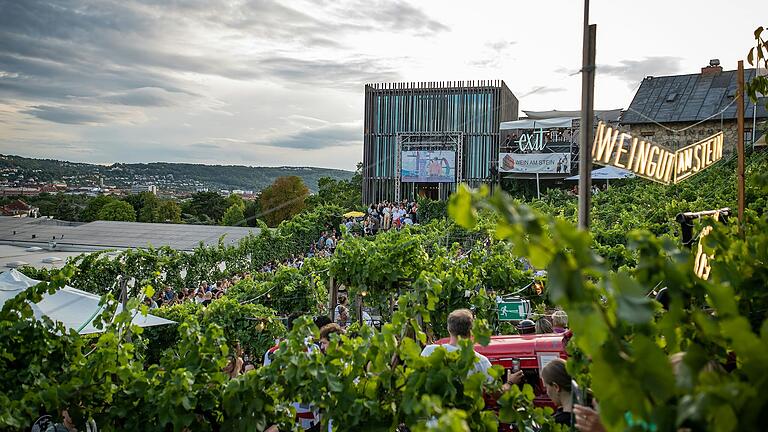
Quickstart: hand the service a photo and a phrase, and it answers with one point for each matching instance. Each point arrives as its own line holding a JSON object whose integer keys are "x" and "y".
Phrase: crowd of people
{"x": 206, "y": 291}
{"x": 203, "y": 293}
{"x": 384, "y": 216}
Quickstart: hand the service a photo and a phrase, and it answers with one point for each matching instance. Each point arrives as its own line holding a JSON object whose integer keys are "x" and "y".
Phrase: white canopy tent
{"x": 74, "y": 308}
{"x": 607, "y": 173}
{"x": 560, "y": 122}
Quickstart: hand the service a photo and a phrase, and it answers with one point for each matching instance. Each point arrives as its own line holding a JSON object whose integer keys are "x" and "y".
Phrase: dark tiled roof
{"x": 688, "y": 98}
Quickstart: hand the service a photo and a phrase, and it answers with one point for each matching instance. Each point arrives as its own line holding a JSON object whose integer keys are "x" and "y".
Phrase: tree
{"x": 146, "y": 205}
{"x": 117, "y": 211}
{"x": 252, "y": 212}
{"x": 92, "y": 209}
{"x": 168, "y": 212}
{"x": 234, "y": 199}
{"x": 234, "y": 216}
{"x": 66, "y": 210}
{"x": 347, "y": 194}
{"x": 283, "y": 199}
{"x": 208, "y": 204}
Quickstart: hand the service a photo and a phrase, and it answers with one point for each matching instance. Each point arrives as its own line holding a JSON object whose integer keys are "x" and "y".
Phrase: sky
{"x": 272, "y": 83}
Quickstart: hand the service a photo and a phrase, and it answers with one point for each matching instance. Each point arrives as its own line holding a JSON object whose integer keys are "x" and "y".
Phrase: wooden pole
{"x": 587, "y": 119}
{"x": 333, "y": 294}
{"x": 124, "y": 302}
{"x": 740, "y": 144}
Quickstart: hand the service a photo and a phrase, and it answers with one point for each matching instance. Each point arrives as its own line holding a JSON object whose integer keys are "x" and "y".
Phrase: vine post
{"x": 333, "y": 293}
{"x": 740, "y": 145}
{"x": 587, "y": 119}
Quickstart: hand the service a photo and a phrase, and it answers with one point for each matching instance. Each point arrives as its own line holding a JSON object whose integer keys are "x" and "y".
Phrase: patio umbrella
{"x": 354, "y": 214}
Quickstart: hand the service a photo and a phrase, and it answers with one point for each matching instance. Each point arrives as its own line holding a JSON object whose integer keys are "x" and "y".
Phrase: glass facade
{"x": 474, "y": 109}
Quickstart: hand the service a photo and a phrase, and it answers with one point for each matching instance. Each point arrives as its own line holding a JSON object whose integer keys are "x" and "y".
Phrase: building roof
{"x": 688, "y": 98}
{"x": 18, "y": 205}
{"x": 604, "y": 115}
{"x": 101, "y": 235}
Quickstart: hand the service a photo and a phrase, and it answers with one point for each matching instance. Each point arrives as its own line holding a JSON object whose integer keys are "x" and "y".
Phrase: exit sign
{"x": 514, "y": 310}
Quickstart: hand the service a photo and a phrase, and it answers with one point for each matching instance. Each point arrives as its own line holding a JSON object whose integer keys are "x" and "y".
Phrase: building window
{"x": 647, "y": 134}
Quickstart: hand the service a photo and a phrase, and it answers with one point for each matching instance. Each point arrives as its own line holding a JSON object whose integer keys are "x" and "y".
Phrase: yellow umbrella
{"x": 354, "y": 214}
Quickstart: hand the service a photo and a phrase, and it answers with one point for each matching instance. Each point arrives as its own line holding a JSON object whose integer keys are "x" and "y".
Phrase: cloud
{"x": 633, "y": 71}
{"x": 500, "y": 45}
{"x": 64, "y": 115}
{"x": 331, "y": 135}
{"x": 329, "y": 73}
{"x": 144, "y": 97}
{"x": 542, "y": 90}
{"x": 393, "y": 15}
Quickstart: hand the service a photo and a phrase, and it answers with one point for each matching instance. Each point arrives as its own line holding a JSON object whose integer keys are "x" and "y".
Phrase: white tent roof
{"x": 74, "y": 308}
{"x": 607, "y": 173}
{"x": 560, "y": 122}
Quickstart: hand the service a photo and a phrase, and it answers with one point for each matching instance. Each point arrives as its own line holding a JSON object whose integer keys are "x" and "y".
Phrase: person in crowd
{"x": 559, "y": 321}
{"x": 321, "y": 241}
{"x": 342, "y": 317}
{"x": 168, "y": 293}
{"x": 460, "y": 327}
{"x": 151, "y": 304}
{"x": 387, "y": 218}
{"x": 559, "y": 388}
{"x": 587, "y": 419}
{"x": 543, "y": 326}
{"x": 526, "y": 326}
{"x": 342, "y": 302}
{"x": 325, "y": 335}
{"x": 235, "y": 365}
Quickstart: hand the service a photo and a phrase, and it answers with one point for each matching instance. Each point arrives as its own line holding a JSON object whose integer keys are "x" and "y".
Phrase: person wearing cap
{"x": 526, "y": 326}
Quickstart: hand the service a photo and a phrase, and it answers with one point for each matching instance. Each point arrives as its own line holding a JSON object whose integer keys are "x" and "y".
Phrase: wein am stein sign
{"x": 652, "y": 161}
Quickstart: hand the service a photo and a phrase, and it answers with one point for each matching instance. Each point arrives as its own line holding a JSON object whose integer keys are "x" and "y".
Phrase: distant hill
{"x": 178, "y": 176}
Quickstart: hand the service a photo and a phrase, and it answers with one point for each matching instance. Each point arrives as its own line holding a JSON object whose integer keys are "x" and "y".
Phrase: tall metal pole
{"x": 587, "y": 118}
{"x": 740, "y": 144}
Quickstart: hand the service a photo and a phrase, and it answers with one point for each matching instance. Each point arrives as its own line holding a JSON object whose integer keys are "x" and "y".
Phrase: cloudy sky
{"x": 261, "y": 82}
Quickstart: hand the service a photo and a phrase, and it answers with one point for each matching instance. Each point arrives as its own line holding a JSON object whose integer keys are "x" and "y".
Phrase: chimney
{"x": 714, "y": 68}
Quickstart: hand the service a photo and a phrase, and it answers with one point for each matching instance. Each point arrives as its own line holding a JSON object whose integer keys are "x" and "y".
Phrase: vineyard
{"x": 171, "y": 378}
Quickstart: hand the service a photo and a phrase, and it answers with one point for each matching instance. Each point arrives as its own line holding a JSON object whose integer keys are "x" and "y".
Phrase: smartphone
{"x": 515, "y": 365}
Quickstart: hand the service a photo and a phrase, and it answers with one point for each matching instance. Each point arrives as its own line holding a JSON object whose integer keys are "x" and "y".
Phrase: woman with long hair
{"x": 559, "y": 388}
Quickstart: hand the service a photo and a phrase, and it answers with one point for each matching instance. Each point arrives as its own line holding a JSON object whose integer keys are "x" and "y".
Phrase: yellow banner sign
{"x": 652, "y": 161}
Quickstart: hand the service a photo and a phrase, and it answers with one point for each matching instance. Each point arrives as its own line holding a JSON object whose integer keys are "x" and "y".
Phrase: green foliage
{"x": 254, "y": 326}
{"x": 345, "y": 193}
{"x": 628, "y": 339}
{"x": 283, "y": 199}
{"x": 288, "y": 290}
{"x": 430, "y": 210}
{"x": 234, "y": 216}
{"x": 758, "y": 56}
{"x": 168, "y": 212}
{"x": 117, "y": 211}
{"x": 91, "y": 211}
{"x": 210, "y": 205}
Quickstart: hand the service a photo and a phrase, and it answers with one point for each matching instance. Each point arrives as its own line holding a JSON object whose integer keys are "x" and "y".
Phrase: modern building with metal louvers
{"x": 422, "y": 139}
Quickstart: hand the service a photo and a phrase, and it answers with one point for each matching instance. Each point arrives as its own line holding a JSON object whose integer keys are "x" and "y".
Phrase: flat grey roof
{"x": 114, "y": 235}
{"x": 10, "y": 254}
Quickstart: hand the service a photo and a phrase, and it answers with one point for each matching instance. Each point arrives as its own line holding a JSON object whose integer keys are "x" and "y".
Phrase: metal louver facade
{"x": 469, "y": 109}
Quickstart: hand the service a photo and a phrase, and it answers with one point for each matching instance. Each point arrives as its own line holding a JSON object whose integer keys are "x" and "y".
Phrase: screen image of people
{"x": 437, "y": 166}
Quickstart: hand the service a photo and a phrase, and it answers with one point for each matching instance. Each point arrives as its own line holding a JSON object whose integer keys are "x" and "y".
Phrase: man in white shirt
{"x": 460, "y": 327}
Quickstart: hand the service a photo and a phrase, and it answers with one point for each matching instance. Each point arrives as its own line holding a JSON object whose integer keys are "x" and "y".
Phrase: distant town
{"x": 30, "y": 177}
